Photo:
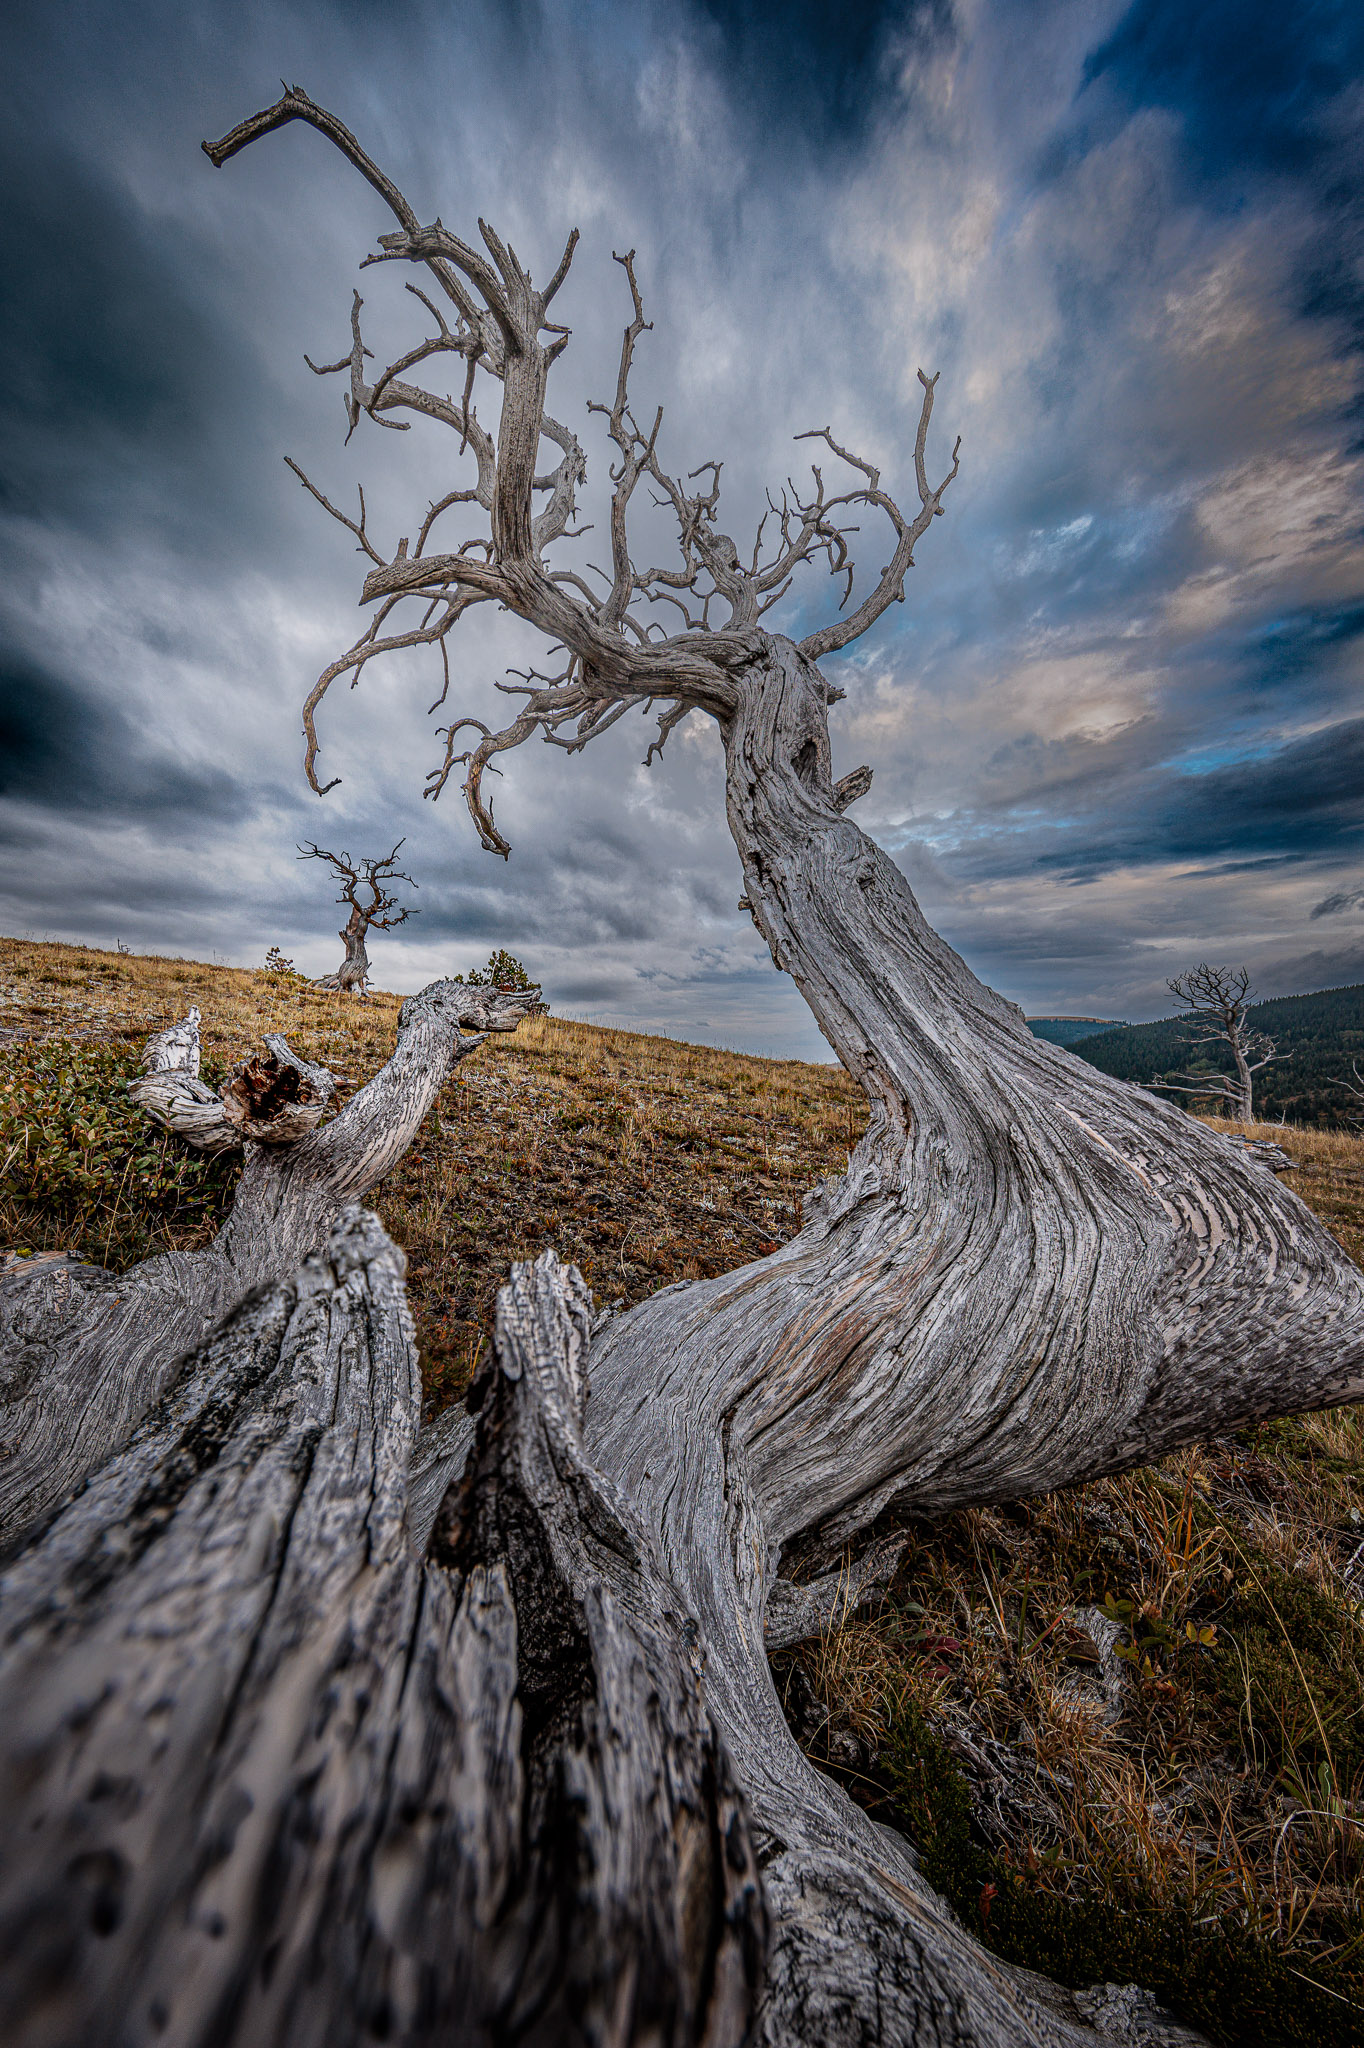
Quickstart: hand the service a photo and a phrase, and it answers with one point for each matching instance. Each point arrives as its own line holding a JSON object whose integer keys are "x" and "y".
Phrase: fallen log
{"x": 268, "y": 1778}
{"x": 190, "y": 1592}
{"x": 86, "y": 1352}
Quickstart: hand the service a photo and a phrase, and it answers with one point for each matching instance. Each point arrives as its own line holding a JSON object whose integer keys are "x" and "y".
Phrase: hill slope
{"x": 644, "y": 1160}
{"x": 1120, "y": 1723}
{"x": 1322, "y": 1033}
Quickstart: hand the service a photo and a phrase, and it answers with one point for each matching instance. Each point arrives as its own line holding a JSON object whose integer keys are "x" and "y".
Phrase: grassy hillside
{"x": 1322, "y": 1033}
{"x": 1183, "y": 1810}
{"x": 643, "y": 1159}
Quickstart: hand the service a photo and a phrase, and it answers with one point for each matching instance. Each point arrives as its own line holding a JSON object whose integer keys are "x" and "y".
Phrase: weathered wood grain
{"x": 170, "y": 1092}
{"x": 1031, "y": 1274}
{"x": 273, "y": 1097}
{"x": 268, "y": 1778}
{"x": 84, "y": 1353}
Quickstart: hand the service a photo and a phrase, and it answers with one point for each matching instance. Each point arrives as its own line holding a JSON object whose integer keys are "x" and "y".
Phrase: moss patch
{"x": 1237, "y": 1990}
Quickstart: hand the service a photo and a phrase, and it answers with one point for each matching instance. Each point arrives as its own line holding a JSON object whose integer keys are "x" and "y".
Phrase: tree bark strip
{"x": 84, "y": 1353}
{"x": 270, "y": 1779}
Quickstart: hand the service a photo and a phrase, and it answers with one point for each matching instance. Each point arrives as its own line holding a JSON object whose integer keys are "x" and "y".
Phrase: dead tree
{"x": 1355, "y": 1088}
{"x": 277, "y": 1776}
{"x": 378, "y": 908}
{"x": 86, "y": 1353}
{"x": 1217, "y": 999}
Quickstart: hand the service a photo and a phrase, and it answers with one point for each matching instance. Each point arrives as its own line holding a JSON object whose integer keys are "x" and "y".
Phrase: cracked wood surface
{"x": 84, "y": 1353}
{"x": 269, "y": 1778}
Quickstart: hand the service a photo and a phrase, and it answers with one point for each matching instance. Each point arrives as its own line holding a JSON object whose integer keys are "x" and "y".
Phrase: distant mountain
{"x": 1065, "y": 1030}
{"x": 1322, "y": 1032}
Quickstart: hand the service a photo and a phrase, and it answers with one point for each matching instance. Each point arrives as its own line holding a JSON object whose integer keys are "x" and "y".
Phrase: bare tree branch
{"x": 1217, "y": 999}
{"x": 357, "y": 529}
{"x": 891, "y": 587}
{"x": 1355, "y": 1088}
{"x": 624, "y": 655}
{"x": 379, "y": 909}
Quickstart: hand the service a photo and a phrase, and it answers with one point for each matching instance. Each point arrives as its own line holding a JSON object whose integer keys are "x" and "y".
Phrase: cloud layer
{"x": 1116, "y": 727}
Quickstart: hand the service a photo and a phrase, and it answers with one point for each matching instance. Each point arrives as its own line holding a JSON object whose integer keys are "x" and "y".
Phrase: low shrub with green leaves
{"x": 1239, "y": 1988}
{"x": 1294, "y": 1675}
{"x": 503, "y": 970}
{"x": 81, "y": 1166}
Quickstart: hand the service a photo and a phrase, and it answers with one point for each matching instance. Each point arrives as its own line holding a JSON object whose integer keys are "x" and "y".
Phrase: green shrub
{"x": 280, "y": 974}
{"x": 1300, "y": 1707}
{"x": 503, "y": 970}
{"x": 1236, "y": 1989}
{"x": 82, "y": 1168}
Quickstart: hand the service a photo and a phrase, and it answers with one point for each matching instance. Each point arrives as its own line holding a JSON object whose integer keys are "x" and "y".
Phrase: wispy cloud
{"x": 1118, "y": 719}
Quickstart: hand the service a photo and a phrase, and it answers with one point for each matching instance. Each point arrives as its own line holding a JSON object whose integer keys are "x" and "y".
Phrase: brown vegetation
{"x": 643, "y": 1159}
{"x": 1142, "y": 1694}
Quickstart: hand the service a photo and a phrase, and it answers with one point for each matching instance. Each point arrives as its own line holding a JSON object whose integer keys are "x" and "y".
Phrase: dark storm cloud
{"x": 820, "y": 71}
{"x": 1265, "y": 89}
{"x": 67, "y": 749}
{"x": 1118, "y": 712}
{"x": 1302, "y": 802}
{"x": 121, "y": 393}
{"x": 1281, "y": 649}
{"x": 1306, "y": 799}
{"x": 1249, "y": 82}
{"x": 1338, "y": 901}
{"x": 131, "y": 898}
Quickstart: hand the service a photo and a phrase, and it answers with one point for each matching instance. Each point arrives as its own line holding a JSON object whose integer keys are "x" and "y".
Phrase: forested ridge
{"x": 1320, "y": 1033}
{"x": 1065, "y": 1030}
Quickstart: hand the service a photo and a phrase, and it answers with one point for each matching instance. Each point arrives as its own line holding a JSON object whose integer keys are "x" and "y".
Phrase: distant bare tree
{"x": 1356, "y": 1088}
{"x": 377, "y": 909}
{"x": 1218, "y": 999}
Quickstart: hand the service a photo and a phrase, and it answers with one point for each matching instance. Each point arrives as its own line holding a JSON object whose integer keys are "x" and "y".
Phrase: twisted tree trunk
{"x": 314, "y": 1730}
{"x": 353, "y": 973}
{"x": 1031, "y": 1274}
{"x": 273, "y": 1777}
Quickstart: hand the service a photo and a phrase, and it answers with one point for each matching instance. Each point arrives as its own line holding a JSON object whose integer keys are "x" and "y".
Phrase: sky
{"x": 1116, "y": 726}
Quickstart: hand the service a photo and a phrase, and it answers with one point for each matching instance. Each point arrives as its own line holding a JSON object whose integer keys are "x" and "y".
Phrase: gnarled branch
{"x": 620, "y": 653}
{"x": 87, "y": 1352}
{"x": 272, "y": 1098}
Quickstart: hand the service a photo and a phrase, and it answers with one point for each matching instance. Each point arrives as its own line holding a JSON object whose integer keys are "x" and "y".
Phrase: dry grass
{"x": 1215, "y": 1785}
{"x": 1189, "y": 1808}
{"x": 645, "y": 1160}
{"x": 1216, "y": 1781}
